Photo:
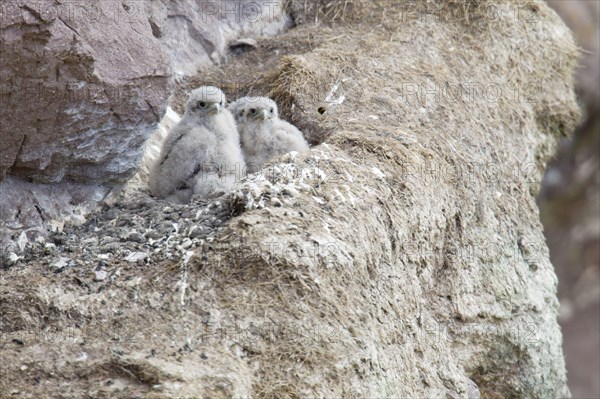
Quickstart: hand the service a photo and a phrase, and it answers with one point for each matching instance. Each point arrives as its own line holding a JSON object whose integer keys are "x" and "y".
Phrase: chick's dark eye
{"x": 271, "y": 110}
{"x": 252, "y": 111}
{"x": 202, "y": 104}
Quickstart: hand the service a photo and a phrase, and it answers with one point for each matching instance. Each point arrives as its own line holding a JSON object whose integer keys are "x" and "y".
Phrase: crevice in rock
{"x": 16, "y": 160}
{"x": 153, "y": 112}
{"x": 40, "y": 211}
{"x": 206, "y": 44}
{"x": 33, "y": 12}
{"x": 156, "y": 31}
{"x": 69, "y": 26}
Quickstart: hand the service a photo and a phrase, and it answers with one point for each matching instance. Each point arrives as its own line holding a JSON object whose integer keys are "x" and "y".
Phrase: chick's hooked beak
{"x": 265, "y": 114}
{"x": 215, "y": 108}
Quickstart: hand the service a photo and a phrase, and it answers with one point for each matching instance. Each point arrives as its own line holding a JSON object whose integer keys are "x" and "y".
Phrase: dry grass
{"x": 371, "y": 122}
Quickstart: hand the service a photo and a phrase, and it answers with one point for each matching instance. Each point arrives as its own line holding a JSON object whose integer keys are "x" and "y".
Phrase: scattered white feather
{"x": 377, "y": 172}
{"x": 319, "y": 200}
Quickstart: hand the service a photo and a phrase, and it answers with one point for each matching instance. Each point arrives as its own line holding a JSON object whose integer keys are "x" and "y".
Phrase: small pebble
{"x": 13, "y": 258}
{"x": 107, "y": 240}
{"x": 100, "y": 275}
{"x": 136, "y": 256}
{"x": 61, "y": 263}
{"x": 153, "y": 234}
{"x": 49, "y": 248}
{"x": 135, "y": 237}
{"x": 186, "y": 243}
{"x": 111, "y": 214}
{"x": 196, "y": 232}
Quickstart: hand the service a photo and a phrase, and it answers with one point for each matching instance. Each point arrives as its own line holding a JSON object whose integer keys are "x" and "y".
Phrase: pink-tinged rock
{"x": 83, "y": 85}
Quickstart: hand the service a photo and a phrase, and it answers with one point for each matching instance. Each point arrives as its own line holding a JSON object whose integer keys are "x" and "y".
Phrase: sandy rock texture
{"x": 402, "y": 256}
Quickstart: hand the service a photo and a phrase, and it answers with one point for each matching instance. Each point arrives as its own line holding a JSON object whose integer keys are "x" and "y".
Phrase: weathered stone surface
{"x": 30, "y": 211}
{"x": 83, "y": 86}
{"x": 197, "y": 33}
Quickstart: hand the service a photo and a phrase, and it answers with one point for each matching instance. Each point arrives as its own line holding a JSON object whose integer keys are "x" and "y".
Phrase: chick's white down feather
{"x": 263, "y": 135}
{"x": 201, "y": 155}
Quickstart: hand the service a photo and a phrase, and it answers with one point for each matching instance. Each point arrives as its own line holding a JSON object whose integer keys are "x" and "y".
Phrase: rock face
{"x": 78, "y": 103}
{"x": 197, "y": 33}
{"x": 84, "y": 84}
{"x": 401, "y": 257}
{"x": 30, "y": 211}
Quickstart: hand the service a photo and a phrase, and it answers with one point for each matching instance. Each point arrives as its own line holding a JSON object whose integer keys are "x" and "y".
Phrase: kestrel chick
{"x": 263, "y": 135}
{"x": 201, "y": 155}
